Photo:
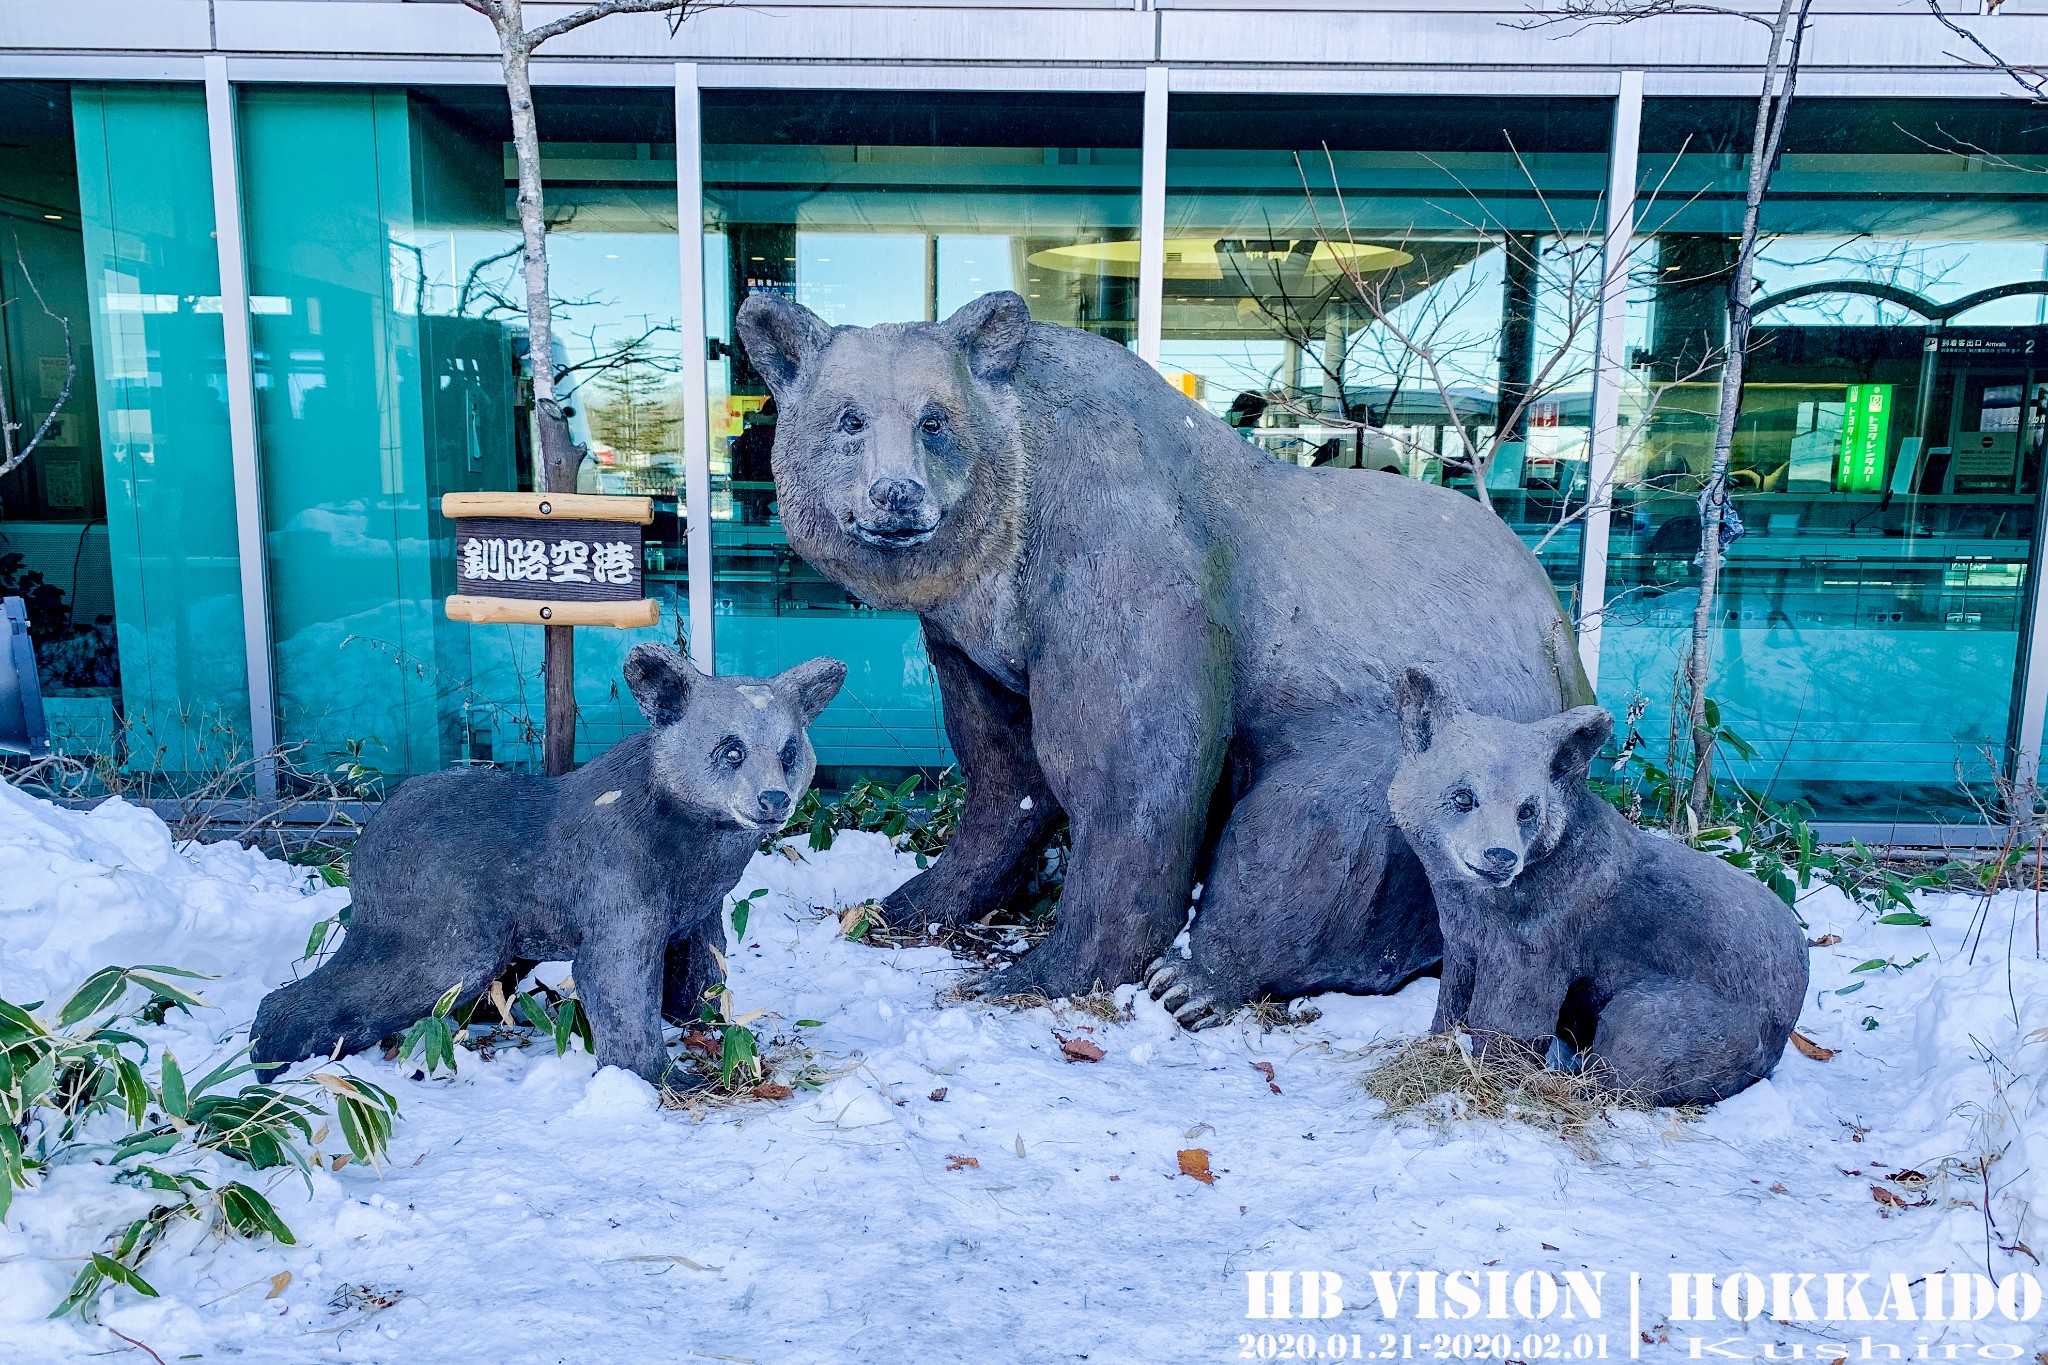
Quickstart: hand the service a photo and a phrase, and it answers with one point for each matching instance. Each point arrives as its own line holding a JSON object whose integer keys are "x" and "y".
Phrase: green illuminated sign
{"x": 1866, "y": 428}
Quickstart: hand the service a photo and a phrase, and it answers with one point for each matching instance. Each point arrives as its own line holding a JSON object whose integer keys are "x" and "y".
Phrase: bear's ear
{"x": 991, "y": 329}
{"x": 661, "y": 680}
{"x": 1422, "y": 707}
{"x": 811, "y": 686}
{"x": 1579, "y": 735}
{"x": 782, "y": 338}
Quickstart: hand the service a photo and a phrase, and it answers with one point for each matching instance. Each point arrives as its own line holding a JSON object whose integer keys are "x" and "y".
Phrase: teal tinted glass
{"x": 1887, "y": 460}
{"x": 119, "y": 530}
{"x": 887, "y": 207}
{"x": 389, "y": 323}
{"x": 1401, "y": 284}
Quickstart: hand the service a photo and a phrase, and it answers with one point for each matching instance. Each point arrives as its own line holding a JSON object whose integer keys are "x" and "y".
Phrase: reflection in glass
{"x": 1384, "y": 283}
{"x": 391, "y": 360}
{"x": 1887, "y": 460}
{"x": 887, "y": 207}
{"x": 120, "y": 530}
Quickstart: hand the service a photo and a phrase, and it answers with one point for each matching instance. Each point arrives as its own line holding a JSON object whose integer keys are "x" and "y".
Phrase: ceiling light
{"x": 1196, "y": 259}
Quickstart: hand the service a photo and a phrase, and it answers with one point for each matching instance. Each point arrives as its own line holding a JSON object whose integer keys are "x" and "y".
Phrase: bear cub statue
{"x": 1662, "y": 971}
{"x": 621, "y": 867}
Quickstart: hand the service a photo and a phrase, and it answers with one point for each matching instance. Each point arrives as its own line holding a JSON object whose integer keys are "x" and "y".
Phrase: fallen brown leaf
{"x": 1886, "y": 1197}
{"x": 278, "y": 1283}
{"x": 1779, "y": 1188}
{"x": 961, "y": 1163}
{"x": 938, "y": 1094}
{"x": 1079, "y": 1049}
{"x": 1808, "y": 1048}
{"x": 1266, "y": 1069}
{"x": 1824, "y": 941}
{"x": 1194, "y": 1163}
{"x": 1546, "y": 1246}
{"x": 771, "y": 1090}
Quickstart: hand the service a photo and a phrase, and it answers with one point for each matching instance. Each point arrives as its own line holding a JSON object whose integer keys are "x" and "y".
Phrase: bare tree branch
{"x": 14, "y": 454}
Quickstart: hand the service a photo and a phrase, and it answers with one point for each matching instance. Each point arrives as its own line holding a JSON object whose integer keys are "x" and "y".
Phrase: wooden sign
{"x": 549, "y": 559}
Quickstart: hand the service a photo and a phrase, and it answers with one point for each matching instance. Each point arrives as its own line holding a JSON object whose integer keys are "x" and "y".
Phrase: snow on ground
{"x": 535, "y": 1210}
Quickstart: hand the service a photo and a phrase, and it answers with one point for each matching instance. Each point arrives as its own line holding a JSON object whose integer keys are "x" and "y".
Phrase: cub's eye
{"x": 1463, "y": 799}
{"x": 852, "y": 423}
{"x": 789, "y": 755}
{"x": 1527, "y": 812}
{"x": 932, "y": 424}
{"x": 732, "y": 753}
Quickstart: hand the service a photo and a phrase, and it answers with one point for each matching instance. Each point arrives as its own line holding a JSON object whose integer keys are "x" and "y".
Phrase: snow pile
{"x": 957, "y": 1189}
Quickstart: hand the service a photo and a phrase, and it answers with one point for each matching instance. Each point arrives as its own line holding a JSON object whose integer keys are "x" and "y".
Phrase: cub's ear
{"x": 782, "y": 338}
{"x": 1579, "y": 735}
{"x": 991, "y": 329}
{"x": 810, "y": 686}
{"x": 1422, "y": 706}
{"x": 661, "y": 680}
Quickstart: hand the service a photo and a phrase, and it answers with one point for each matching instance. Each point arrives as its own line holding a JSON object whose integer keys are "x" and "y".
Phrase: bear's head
{"x": 731, "y": 749}
{"x": 1484, "y": 798}
{"x": 899, "y": 466}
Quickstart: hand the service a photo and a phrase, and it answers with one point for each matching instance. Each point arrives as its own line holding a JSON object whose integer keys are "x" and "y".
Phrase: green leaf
{"x": 533, "y": 1012}
{"x": 1872, "y": 965}
{"x": 565, "y": 1027}
{"x": 249, "y": 1212}
{"x": 97, "y": 990}
{"x": 740, "y": 911}
{"x": 40, "y": 1077}
{"x": 114, "y": 1270}
{"x": 810, "y": 1023}
{"x": 144, "y": 1144}
{"x": 171, "y": 1084}
{"x": 1850, "y": 990}
{"x": 143, "y": 977}
{"x": 1906, "y": 917}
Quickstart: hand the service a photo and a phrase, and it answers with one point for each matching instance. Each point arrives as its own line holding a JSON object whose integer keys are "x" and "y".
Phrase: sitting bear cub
{"x": 621, "y": 866}
{"x": 1674, "y": 977}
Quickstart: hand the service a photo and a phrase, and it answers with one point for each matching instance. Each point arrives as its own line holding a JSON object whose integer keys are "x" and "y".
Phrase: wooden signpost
{"x": 549, "y": 559}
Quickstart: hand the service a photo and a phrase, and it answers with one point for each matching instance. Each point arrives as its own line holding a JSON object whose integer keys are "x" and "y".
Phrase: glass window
{"x": 1887, "y": 461}
{"x": 1382, "y": 283}
{"x": 887, "y": 207}
{"x": 389, "y": 320}
{"x": 120, "y": 530}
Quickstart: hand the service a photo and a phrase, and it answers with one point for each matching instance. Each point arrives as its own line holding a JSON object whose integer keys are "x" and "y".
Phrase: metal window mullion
{"x": 696, "y": 363}
{"x": 1609, "y": 366}
{"x": 225, "y": 162}
{"x": 1152, "y": 219}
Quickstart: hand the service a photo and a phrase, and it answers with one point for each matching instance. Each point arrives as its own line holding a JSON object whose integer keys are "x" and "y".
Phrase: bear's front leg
{"x": 690, "y": 968}
{"x": 619, "y": 979}
{"x": 1131, "y": 715}
{"x": 1009, "y": 811}
{"x": 1516, "y": 994}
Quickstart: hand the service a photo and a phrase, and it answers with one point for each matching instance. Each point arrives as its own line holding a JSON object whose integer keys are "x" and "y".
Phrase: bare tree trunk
{"x": 558, "y": 455}
{"x": 1774, "y": 101}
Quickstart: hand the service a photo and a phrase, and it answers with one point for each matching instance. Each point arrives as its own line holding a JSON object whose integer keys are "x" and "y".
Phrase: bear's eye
{"x": 789, "y": 755}
{"x": 1463, "y": 799}
{"x": 932, "y": 424}
{"x": 1527, "y": 812}
{"x": 731, "y": 753}
{"x": 852, "y": 423}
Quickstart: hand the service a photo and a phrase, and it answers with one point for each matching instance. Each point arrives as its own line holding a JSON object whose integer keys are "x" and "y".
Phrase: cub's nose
{"x": 1501, "y": 859}
{"x": 774, "y": 804}
{"x": 901, "y": 496}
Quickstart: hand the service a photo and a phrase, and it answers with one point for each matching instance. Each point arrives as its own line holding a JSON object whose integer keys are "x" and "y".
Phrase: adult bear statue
{"x": 1141, "y": 620}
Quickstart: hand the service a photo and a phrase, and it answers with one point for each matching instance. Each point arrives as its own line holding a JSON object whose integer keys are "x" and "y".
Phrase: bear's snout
{"x": 902, "y": 497}
{"x": 774, "y": 804}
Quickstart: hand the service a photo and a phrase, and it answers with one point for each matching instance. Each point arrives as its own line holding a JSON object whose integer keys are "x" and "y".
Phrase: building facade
{"x": 279, "y": 236}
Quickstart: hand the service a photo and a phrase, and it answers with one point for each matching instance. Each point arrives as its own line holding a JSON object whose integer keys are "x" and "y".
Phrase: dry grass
{"x": 1442, "y": 1079}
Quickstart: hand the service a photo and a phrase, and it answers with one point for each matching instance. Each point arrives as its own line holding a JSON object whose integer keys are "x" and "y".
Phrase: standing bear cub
{"x": 621, "y": 866}
{"x": 1672, "y": 976}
